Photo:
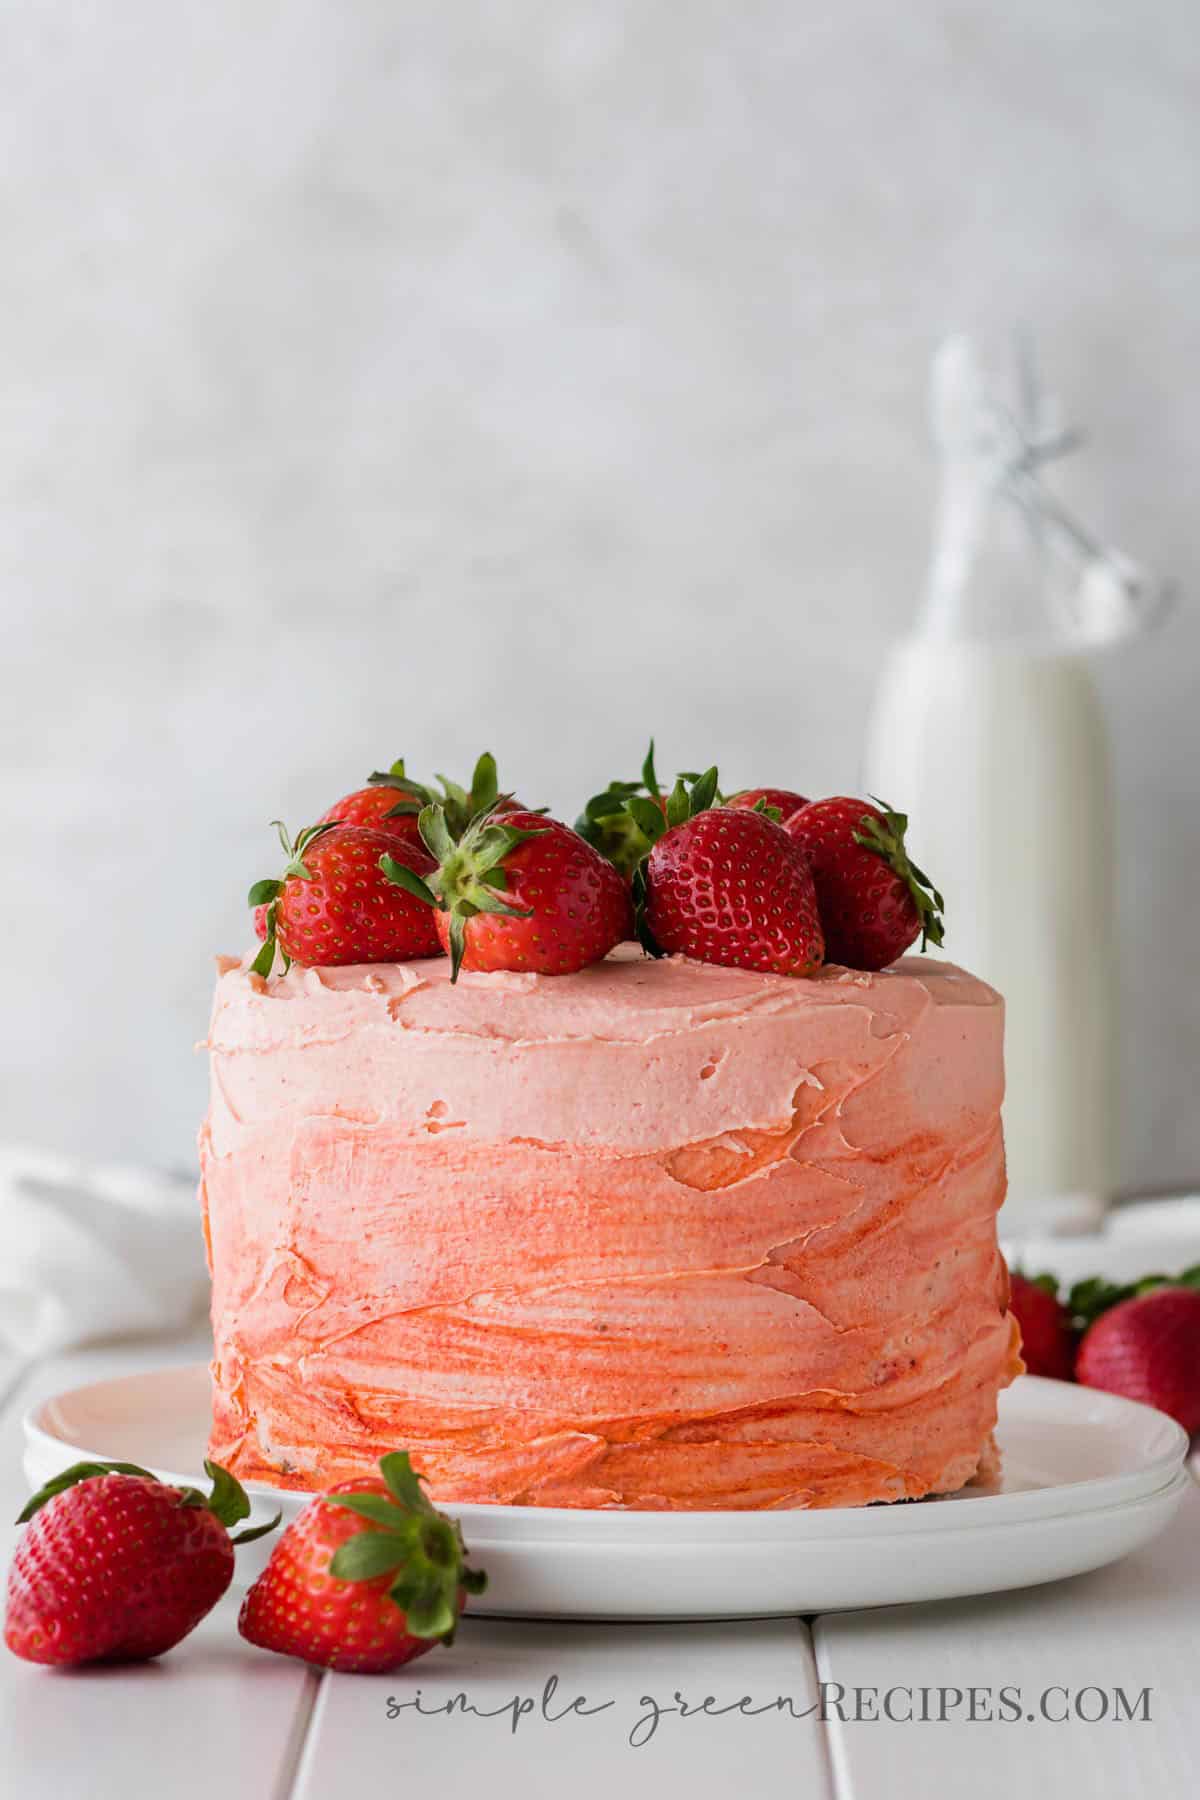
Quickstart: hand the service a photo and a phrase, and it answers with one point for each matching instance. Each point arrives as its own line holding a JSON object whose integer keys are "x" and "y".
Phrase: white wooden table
{"x": 216, "y": 1716}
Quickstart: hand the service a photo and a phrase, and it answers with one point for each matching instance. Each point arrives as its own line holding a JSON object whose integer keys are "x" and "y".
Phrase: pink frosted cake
{"x": 653, "y": 1234}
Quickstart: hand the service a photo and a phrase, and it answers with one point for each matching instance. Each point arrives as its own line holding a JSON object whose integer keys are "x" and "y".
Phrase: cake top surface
{"x": 627, "y": 997}
{"x": 630, "y": 1056}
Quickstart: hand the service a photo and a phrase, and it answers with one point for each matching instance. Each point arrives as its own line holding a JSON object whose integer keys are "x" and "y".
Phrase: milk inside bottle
{"x": 987, "y": 731}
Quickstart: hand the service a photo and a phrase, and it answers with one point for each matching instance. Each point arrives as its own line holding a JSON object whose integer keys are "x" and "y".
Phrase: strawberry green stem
{"x": 266, "y": 893}
{"x": 690, "y": 795}
{"x": 410, "y": 1539}
{"x": 461, "y": 805}
{"x": 470, "y": 877}
{"x": 886, "y": 841}
{"x": 228, "y": 1500}
{"x": 1088, "y": 1299}
{"x": 609, "y": 823}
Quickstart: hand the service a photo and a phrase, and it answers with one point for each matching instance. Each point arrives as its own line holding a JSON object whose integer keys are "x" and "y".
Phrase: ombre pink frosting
{"x": 657, "y": 1234}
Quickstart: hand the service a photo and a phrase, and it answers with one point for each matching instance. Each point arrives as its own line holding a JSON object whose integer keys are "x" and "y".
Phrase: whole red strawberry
{"x": 783, "y": 800}
{"x": 1148, "y": 1349}
{"x": 1047, "y": 1339}
{"x": 874, "y": 901}
{"x": 335, "y": 905}
{"x": 724, "y": 885}
{"x": 386, "y": 809}
{"x": 116, "y": 1566}
{"x": 368, "y": 1577}
{"x": 520, "y": 891}
{"x": 392, "y": 800}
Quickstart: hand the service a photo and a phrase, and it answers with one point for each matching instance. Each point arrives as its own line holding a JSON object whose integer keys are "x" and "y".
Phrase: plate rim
{"x": 1090, "y": 1494}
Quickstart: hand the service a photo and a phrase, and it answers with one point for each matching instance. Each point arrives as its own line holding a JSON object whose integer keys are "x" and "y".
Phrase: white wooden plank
{"x": 355, "y": 1747}
{"x": 213, "y": 1714}
{"x": 1132, "y": 1626}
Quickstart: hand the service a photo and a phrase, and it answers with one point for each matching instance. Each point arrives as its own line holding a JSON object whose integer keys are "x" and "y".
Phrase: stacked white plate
{"x": 1087, "y": 1478}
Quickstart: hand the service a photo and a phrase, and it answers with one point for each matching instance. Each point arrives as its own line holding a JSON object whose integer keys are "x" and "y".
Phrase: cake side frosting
{"x": 655, "y": 1234}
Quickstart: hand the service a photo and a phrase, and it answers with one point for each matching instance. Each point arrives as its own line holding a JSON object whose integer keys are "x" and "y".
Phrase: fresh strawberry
{"x": 724, "y": 885}
{"x": 261, "y": 922}
{"x": 386, "y": 809}
{"x": 1047, "y": 1340}
{"x": 116, "y": 1565}
{"x": 333, "y": 904}
{"x": 610, "y": 827}
{"x": 517, "y": 890}
{"x": 874, "y": 901}
{"x": 780, "y": 800}
{"x": 392, "y": 800}
{"x": 1148, "y": 1349}
{"x": 368, "y": 1577}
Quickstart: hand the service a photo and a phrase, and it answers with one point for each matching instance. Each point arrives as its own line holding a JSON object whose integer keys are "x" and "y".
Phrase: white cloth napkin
{"x": 94, "y": 1252}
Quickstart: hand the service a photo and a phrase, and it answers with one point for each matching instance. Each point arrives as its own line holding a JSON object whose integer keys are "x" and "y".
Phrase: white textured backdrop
{"x": 383, "y": 376}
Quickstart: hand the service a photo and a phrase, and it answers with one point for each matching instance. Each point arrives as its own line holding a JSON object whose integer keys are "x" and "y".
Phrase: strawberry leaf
{"x": 494, "y": 844}
{"x": 679, "y": 806}
{"x": 1088, "y": 1299}
{"x": 457, "y": 802}
{"x": 651, "y": 822}
{"x": 485, "y": 788}
{"x": 228, "y": 1499}
{"x": 265, "y": 959}
{"x": 428, "y": 1611}
{"x": 368, "y": 1554}
{"x": 704, "y": 792}
{"x": 886, "y": 840}
{"x": 80, "y": 1471}
{"x": 267, "y": 893}
{"x": 458, "y": 943}
{"x": 395, "y": 777}
{"x": 404, "y": 1533}
{"x": 435, "y": 832}
{"x": 228, "y": 1502}
{"x": 400, "y": 875}
{"x": 470, "y": 869}
{"x": 638, "y": 894}
{"x": 459, "y": 805}
{"x": 403, "y": 1482}
{"x": 610, "y": 802}
{"x": 610, "y": 824}
{"x": 376, "y": 1507}
{"x": 304, "y": 841}
{"x": 256, "y": 1531}
{"x": 646, "y": 816}
{"x": 487, "y": 901}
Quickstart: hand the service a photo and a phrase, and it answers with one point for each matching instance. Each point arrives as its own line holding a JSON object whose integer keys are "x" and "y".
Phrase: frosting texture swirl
{"x": 651, "y": 1235}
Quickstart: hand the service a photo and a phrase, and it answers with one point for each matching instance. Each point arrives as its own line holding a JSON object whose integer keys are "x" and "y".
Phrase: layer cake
{"x": 658, "y": 1234}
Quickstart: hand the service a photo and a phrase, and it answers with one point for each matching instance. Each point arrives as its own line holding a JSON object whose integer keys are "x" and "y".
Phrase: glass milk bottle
{"x": 986, "y": 730}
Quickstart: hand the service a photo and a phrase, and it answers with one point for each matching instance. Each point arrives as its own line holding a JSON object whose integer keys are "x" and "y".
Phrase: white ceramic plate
{"x": 1087, "y": 1478}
